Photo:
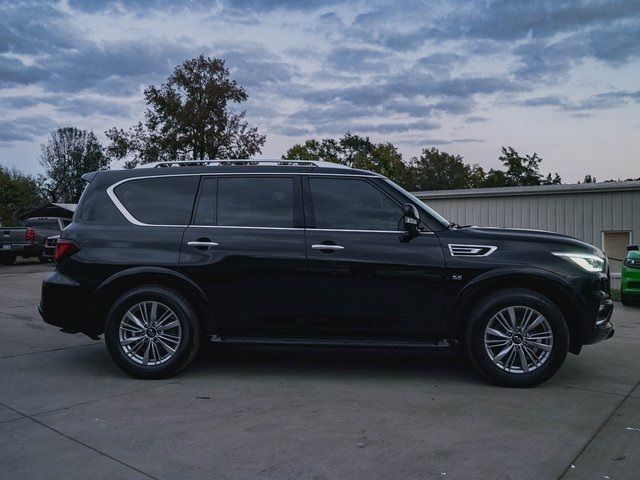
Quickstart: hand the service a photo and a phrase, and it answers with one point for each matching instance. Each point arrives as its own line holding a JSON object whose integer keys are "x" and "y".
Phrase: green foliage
{"x": 18, "y": 193}
{"x": 354, "y": 151}
{"x": 188, "y": 118}
{"x": 436, "y": 170}
{"x": 69, "y": 154}
{"x": 520, "y": 171}
{"x": 433, "y": 170}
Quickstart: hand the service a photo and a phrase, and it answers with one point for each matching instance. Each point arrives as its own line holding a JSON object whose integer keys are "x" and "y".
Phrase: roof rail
{"x": 242, "y": 162}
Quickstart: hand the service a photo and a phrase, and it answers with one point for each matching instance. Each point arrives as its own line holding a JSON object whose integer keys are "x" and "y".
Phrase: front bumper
{"x": 64, "y": 303}
{"x": 602, "y": 329}
{"x": 630, "y": 281}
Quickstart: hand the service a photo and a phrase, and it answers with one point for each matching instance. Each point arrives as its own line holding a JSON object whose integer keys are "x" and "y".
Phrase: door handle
{"x": 321, "y": 246}
{"x": 200, "y": 244}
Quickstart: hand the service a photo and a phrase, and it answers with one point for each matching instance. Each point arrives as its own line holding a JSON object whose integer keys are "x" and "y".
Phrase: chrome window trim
{"x": 451, "y": 246}
{"x": 135, "y": 221}
{"x": 362, "y": 231}
{"x": 245, "y": 227}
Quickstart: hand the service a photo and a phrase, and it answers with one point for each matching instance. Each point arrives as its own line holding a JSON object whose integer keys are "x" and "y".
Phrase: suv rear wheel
{"x": 152, "y": 332}
{"x": 517, "y": 338}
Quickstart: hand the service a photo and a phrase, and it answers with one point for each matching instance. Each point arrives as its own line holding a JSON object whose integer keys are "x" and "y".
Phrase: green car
{"x": 631, "y": 276}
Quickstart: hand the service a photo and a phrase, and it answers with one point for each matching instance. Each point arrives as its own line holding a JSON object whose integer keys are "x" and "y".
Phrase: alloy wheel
{"x": 518, "y": 339}
{"x": 150, "y": 333}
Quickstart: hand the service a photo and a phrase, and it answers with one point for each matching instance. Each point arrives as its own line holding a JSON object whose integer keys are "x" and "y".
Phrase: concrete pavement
{"x": 273, "y": 413}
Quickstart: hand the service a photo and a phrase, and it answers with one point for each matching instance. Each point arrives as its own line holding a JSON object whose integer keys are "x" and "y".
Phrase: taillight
{"x": 64, "y": 249}
{"x": 30, "y": 235}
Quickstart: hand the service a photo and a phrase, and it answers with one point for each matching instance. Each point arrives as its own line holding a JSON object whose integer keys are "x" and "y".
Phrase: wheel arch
{"x": 545, "y": 283}
{"x": 119, "y": 283}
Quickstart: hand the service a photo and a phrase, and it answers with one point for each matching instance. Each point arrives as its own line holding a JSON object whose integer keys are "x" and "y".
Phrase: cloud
{"x": 358, "y": 59}
{"x": 14, "y": 72}
{"x": 426, "y": 142}
{"x": 35, "y": 28}
{"x": 475, "y": 119}
{"x": 26, "y": 128}
{"x": 600, "y": 101}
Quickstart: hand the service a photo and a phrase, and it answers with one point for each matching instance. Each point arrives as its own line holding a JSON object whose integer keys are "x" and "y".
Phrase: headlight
{"x": 632, "y": 262}
{"x": 589, "y": 262}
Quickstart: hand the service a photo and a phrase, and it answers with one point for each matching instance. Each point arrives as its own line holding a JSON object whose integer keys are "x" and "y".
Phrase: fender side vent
{"x": 471, "y": 250}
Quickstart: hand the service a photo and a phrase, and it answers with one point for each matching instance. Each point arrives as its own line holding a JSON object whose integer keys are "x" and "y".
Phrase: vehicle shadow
{"x": 344, "y": 362}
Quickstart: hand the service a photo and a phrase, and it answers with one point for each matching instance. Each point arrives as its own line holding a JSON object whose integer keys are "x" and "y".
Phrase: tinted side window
{"x": 206, "y": 209}
{"x": 255, "y": 202}
{"x": 352, "y": 204}
{"x": 160, "y": 200}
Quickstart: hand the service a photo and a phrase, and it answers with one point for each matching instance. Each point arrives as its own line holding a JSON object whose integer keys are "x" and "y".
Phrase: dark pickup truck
{"x": 28, "y": 241}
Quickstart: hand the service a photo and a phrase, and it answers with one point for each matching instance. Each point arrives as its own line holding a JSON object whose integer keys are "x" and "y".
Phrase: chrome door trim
{"x": 361, "y": 231}
{"x": 320, "y": 246}
{"x": 197, "y": 243}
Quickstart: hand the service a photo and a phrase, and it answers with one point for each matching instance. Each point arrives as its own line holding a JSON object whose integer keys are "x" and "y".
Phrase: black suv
{"x": 279, "y": 252}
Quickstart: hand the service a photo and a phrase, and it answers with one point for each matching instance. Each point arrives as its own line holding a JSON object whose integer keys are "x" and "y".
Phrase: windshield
{"x": 423, "y": 205}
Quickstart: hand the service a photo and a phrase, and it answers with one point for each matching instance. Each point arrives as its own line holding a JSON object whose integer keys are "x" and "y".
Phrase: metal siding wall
{"x": 581, "y": 215}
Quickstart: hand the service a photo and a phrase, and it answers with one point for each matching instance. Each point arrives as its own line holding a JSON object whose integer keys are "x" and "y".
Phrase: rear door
{"x": 245, "y": 248}
{"x": 364, "y": 279}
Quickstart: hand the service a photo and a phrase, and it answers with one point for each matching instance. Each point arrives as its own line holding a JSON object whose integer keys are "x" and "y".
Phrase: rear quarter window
{"x": 160, "y": 200}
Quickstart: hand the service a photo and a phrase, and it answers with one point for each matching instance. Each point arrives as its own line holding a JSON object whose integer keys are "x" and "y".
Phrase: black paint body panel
{"x": 271, "y": 282}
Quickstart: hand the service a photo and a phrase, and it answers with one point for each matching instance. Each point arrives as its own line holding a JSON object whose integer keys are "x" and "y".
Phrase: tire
{"x": 629, "y": 300}
{"x": 500, "y": 353}
{"x": 7, "y": 260}
{"x": 146, "y": 352}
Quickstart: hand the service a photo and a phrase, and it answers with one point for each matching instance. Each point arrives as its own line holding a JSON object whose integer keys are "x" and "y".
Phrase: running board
{"x": 330, "y": 342}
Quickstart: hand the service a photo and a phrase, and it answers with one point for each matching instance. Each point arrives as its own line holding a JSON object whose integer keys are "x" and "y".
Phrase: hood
{"x": 558, "y": 240}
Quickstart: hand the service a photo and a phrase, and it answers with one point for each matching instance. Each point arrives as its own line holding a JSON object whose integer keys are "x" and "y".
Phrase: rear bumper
{"x": 64, "y": 303}
{"x": 19, "y": 249}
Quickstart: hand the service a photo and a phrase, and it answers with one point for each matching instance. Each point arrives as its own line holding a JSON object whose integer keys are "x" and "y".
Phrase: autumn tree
{"x": 189, "y": 118}
{"x": 68, "y": 154}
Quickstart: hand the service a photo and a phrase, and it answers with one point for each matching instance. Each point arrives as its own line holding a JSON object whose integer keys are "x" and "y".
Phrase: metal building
{"x": 604, "y": 214}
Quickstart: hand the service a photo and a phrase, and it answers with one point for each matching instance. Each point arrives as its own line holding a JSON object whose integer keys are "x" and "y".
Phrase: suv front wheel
{"x": 152, "y": 332}
{"x": 517, "y": 338}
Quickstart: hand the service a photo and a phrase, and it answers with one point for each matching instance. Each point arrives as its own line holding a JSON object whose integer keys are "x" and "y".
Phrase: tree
{"x": 436, "y": 170}
{"x": 189, "y": 118}
{"x": 69, "y": 154}
{"x": 496, "y": 178}
{"x": 354, "y": 151}
{"x": 549, "y": 180}
{"x": 326, "y": 150}
{"x": 521, "y": 171}
{"x": 18, "y": 194}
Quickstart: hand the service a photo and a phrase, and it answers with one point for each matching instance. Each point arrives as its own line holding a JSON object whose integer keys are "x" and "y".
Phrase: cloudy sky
{"x": 561, "y": 78}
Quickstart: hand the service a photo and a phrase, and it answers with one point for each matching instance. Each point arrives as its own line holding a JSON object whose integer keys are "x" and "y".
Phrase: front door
{"x": 246, "y": 250}
{"x": 364, "y": 278}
